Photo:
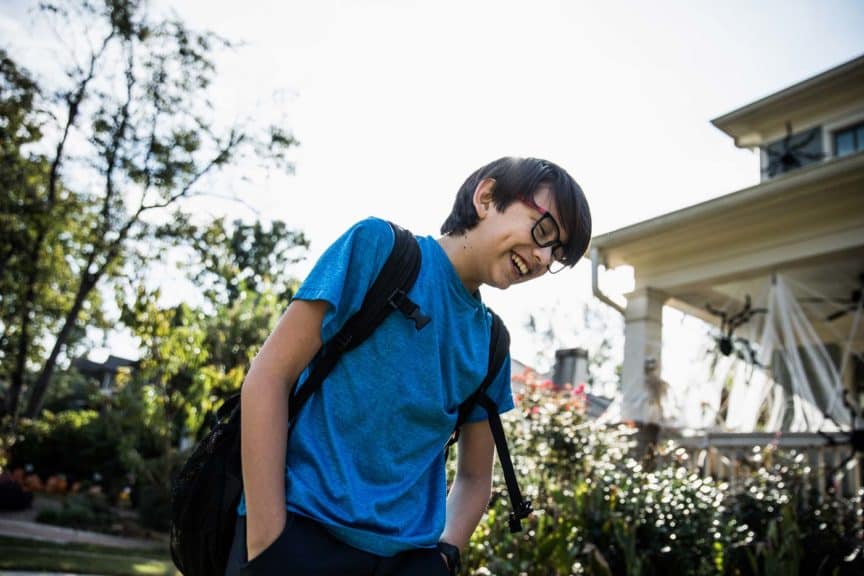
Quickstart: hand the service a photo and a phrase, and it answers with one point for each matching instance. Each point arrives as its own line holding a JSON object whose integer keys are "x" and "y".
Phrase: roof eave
{"x": 763, "y": 190}
{"x": 736, "y": 124}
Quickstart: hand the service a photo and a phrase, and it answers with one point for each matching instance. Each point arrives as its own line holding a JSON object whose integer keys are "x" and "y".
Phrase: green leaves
{"x": 601, "y": 512}
{"x": 230, "y": 259}
{"x": 127, "y": 133}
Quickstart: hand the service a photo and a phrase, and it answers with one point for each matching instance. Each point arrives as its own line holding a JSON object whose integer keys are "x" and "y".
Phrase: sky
{"x": 396, "y": 102}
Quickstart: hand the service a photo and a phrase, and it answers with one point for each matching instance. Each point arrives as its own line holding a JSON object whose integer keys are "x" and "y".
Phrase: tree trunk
{"x": 40, "y": 387}
{"x": 17, "y": 381}
{"x": 16, "y": 385}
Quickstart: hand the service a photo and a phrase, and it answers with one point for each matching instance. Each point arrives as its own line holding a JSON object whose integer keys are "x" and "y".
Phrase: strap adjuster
{"x": 515, "y": 520}
{"x": 399, "y": 301}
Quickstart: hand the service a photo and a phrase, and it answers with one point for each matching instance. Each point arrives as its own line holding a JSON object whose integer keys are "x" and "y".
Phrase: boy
{"x": 361, "y": 488}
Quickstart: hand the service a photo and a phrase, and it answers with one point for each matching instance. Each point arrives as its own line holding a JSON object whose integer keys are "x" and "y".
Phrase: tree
{"x": 33, "y": 299}
{"x": 194, "y": 357}
{"x": 230, "y": 260}
{"x": 129, "y": 135}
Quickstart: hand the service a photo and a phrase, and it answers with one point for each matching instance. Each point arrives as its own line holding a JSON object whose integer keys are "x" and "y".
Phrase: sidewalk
{"x": 11, "y": 573}
{"x": 35, "y": 531}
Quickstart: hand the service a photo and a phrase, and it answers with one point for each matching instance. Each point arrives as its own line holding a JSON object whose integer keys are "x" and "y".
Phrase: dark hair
{"x": 517, "y": 179}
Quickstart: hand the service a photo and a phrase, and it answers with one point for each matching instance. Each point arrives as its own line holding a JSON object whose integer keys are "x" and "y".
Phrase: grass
{"x": 23, "y": 554}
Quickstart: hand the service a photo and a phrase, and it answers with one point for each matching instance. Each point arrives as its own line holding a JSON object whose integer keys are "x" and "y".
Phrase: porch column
{"x": 643, "y": 342}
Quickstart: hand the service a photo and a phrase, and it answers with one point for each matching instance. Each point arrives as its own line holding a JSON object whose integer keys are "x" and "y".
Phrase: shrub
{"x": 80, "y": 511}
{"x": 154, "y": 508}
{"x": 85, "y": 446}
{"x": 73, "y": 443}
{"x": 12, "y": 495}
{"x": 599, "y": 511}
{"x": 791, "y": 528}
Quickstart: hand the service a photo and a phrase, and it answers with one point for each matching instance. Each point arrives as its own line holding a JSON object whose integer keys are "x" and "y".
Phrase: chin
{"x": 509, "y": 280}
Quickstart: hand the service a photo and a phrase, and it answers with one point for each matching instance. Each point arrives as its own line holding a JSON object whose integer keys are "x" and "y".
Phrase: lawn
{"x": 22, "y": 554}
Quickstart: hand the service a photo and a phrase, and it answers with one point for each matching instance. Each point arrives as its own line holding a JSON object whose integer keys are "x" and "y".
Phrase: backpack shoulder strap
{"x": 499, "y": 346}
{"x": 389, "y": 292}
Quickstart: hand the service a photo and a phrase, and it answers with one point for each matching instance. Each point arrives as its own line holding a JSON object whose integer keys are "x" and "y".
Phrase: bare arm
{"x": 472, "y": 485}
{"x": 264, "y": 423}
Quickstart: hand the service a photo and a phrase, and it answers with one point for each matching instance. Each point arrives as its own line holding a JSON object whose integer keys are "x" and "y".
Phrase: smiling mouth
{"x": 519, "y": 264}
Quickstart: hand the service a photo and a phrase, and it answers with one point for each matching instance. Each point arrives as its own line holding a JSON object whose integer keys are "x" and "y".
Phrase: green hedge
{"x": 80, "y": 511}
{"x": 83, "y": 445}
{"x": 601, "y": 512}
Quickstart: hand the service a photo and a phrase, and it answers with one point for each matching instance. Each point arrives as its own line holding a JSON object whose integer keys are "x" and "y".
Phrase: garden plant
{"x": 602, "y": 511}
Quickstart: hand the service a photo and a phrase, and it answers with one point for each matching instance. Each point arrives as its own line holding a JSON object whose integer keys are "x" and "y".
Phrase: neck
{"x": 458, "y": 250}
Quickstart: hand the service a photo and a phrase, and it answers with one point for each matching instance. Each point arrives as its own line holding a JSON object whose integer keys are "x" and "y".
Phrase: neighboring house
{"x": 571, "y": 367}
{"x": 104, "y": 372}
{"x": 792, "y": 247}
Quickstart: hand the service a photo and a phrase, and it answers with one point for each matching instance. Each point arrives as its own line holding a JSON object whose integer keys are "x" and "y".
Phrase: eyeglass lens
{"x": 545, "y": 233}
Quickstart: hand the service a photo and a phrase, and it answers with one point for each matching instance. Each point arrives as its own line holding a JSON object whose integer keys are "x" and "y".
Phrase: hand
{"x": 259, "y": 536}
{"x": 450, "y": 553}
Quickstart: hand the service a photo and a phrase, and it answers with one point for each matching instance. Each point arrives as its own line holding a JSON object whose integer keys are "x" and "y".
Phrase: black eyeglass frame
{"x": 557, "y": 264}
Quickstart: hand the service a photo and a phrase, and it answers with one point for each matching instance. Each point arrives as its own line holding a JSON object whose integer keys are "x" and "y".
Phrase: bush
{"x": 154, "y": 508}
{"x": 12, "y": 496}
{"x": 599, "y": 511}
{"x": 80, "y": 511}
{"x": 85, "y": 446}
{"x": 75, "y": 443}
{"x": 791, "y": 528}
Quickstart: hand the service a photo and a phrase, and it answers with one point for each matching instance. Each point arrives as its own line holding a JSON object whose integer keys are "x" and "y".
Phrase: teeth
{"x": 520, "y": 264}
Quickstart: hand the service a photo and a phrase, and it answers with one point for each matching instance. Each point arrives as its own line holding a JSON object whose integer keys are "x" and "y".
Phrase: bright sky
{"x": 396, "y": 102}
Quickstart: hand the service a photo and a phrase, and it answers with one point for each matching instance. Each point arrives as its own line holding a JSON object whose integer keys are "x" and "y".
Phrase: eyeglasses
{"x": 545, "y": 233}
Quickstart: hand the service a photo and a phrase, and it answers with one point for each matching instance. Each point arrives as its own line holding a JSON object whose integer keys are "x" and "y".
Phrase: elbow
{"x": 476, "y": 482}
{"x": 261, "y": 386}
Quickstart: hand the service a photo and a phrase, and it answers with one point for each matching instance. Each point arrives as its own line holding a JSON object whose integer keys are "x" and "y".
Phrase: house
{"x": 104, "y": 372}
{"x": 777, "y": 268}
{"x": 570, "y": 368}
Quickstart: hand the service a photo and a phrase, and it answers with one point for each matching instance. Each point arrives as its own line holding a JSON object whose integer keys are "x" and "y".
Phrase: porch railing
{"x": 730, "y": 457}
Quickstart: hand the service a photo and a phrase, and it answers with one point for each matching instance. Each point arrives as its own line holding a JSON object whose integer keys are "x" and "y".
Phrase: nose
{"x": 543, "y": 255}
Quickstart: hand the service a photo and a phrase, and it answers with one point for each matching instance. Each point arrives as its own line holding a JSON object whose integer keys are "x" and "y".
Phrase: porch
{"x": 730, "y": 457}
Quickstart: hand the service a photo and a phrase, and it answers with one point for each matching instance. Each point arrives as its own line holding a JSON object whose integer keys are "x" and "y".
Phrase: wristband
{"x": 453, "y": 556}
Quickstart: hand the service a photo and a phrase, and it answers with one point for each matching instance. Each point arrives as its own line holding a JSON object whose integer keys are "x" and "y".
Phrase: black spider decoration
{"x": 727, "y": 342}
{"x": 792, "y": 152}
{"x": 856, "y": 300}
{"x": 855, "y": 436}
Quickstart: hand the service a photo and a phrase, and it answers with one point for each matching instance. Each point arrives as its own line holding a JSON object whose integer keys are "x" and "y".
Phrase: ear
{"x": 483, "y": 197}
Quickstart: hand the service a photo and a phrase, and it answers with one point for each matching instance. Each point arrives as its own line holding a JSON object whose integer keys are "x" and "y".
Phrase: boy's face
{"x": 507, "y": 251}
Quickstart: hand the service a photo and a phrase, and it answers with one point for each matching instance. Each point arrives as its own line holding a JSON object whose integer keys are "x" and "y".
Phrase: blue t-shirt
{"x": 366, "y": 458}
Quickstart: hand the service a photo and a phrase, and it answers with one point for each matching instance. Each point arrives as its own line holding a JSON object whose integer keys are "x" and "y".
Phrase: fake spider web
{"x": 795, "y": 381}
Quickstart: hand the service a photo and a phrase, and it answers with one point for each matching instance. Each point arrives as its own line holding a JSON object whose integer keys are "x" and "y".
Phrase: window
{"x": 849, "y": 140}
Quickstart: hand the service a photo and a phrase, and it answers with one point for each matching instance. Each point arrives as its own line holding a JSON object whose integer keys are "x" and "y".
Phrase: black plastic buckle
{"x": 515, "y": 520}
{"x": 399, "y": 301}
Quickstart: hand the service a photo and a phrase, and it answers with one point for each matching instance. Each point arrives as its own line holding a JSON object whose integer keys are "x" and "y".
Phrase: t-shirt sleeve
{"x": 500, "y": 393}
{"x": 346, "y": 271}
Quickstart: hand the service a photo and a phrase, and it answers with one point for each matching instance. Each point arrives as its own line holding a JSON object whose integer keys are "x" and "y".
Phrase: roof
{"x": 832, "y": 93}
{"x": 111, "y": 365}
{"x": 808, "y": 224}
{"x": 810, "y": 182}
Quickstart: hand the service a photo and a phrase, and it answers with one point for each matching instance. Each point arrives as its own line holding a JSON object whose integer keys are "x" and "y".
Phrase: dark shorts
{"x": 306, "y": 548}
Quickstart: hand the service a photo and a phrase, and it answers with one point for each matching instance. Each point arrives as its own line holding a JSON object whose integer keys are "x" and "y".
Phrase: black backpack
{"x": 206, "y": 492}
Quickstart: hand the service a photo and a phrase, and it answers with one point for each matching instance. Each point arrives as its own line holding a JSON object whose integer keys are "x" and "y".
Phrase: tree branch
{"x": 233, "y": 141}
{"x": 73, "y": 101}
{"x": 114, "y": 149}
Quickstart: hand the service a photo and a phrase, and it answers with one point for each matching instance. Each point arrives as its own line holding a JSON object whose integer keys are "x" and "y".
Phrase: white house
{"x": 790, "y": 247}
